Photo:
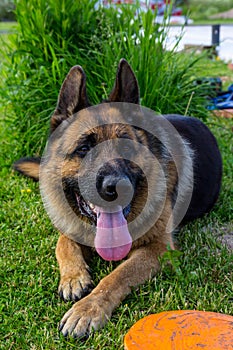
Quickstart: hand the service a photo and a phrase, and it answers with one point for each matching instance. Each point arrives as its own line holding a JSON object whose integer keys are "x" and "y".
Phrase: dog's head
{"x": 98, "y": 153}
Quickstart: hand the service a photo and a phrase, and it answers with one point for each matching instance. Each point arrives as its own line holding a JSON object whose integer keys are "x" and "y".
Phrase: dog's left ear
{"x": 126, "y": 86}
{"x": 72, "y": 97}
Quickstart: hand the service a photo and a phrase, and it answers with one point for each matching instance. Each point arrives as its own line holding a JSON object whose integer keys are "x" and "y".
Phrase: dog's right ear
{"x": 72, "y": 97}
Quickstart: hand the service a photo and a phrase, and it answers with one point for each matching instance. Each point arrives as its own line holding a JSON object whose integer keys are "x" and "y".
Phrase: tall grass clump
{"x": 55, "y": 35}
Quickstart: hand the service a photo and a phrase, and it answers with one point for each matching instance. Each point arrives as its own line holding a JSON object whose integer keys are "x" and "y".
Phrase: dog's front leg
{"x": 93, "y": 311}
{"x": 75, "y": 279}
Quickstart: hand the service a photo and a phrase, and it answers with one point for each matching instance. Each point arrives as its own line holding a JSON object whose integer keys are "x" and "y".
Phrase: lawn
{"x": 202, "y": 14}
{"x": 30, "y": 308}
{"x": 7, "y": 26}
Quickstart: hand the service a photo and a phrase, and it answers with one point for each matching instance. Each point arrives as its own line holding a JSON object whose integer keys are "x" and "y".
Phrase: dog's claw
{"x": 73, "y": 289}
{"x": 85, "y": 316}
{"x": 60, "y": 327}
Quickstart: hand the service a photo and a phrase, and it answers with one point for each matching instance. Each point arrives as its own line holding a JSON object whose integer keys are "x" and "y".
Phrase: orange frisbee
{"x": 181, "y": 330}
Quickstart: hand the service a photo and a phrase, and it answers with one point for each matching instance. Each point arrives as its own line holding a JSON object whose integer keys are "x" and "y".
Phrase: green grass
{"x": 214, "y": 69}
{"x": 214, "y": 21}
{"x": 7, "y": 25}
{"x": 30, "y": 308}
{"x": 202, "y": 11}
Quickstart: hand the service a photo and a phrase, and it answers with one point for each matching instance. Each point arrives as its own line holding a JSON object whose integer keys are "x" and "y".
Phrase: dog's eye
{"x": 81, "y": 151}
{"x": 126, "y": 151}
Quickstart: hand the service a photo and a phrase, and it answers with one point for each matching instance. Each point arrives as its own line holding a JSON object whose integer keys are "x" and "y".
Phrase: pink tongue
{"x": 112, "y": 240}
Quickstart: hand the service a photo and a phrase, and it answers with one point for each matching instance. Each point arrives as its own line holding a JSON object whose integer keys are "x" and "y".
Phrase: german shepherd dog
{"x": 110, "y": 229}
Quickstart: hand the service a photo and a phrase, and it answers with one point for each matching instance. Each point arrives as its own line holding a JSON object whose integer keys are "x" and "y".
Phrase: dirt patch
{"x": 227, "y": 240}
{"x": 225, "y": 113}
{"x": 224, "y": 235}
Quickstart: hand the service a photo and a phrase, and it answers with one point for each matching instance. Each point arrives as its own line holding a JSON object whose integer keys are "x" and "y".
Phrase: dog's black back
{"x": 207, "y": 164}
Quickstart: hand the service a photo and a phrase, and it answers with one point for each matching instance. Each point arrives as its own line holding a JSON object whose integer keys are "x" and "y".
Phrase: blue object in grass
{"x": 223, "y": 100}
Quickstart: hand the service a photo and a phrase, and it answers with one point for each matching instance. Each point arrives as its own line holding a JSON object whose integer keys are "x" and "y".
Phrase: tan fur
{"x": 29, "y": 169}
{"x": 73, "y": 269}
{"x": 94, "y": 310}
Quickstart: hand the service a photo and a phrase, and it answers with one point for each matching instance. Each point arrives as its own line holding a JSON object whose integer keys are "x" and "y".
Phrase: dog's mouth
{"x": 112, "y": 240}
{"x": 89, "y": 210}
{"x": 86, "y": 208}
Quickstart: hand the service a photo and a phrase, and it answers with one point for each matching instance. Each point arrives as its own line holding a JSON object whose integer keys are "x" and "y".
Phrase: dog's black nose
{"x": 114, "y": 187}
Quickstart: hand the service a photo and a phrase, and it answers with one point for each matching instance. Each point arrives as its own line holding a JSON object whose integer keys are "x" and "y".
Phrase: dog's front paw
{"x": 75, "y": 287}
{"x": 85, "y": 316}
